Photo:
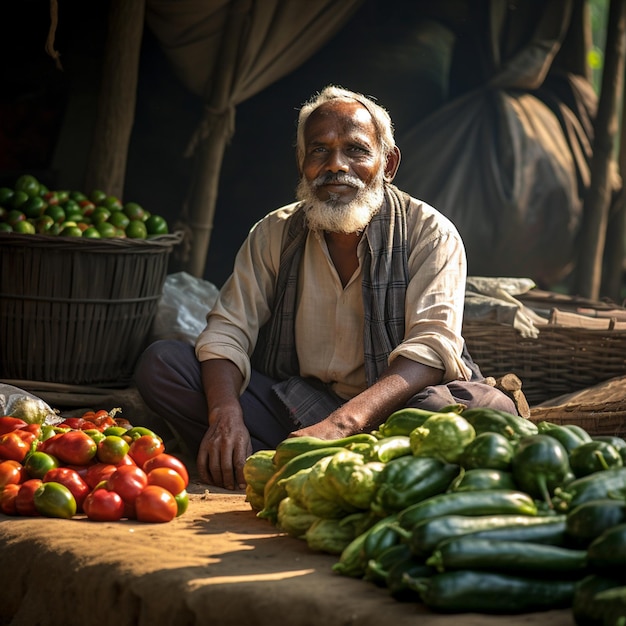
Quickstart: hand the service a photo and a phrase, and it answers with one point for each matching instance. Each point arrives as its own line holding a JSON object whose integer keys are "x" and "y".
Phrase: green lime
{"x": 134, "y": 211}
{"x": 6, "y": 193}
{"x": 100, "y": 214}
{"x": 56, "y": 212}
{"x": 78, "y": 196}
{"x": 34, "y": 207}
{"x": 14, "y": 216}
{"x": 92, "y": 232}
{"x": 73, "y": 216}
{"x": 71, "y": 230}
{"x": 63, "y": 195}
{"x": 106, "y": 230}
{"x": 119, "y": 219}
{"x": 43, "y": 223}
{"x": 136, "y": 230}
{"x": 5, "y": 228}
{"x": 156, "y": 225}
{"x": 112, "y": 203}
{"x": 25, "y": 227}
{"x": 28, "y": 184}
{"x": 18, "y": 199}
{"x": 97, "y": 196}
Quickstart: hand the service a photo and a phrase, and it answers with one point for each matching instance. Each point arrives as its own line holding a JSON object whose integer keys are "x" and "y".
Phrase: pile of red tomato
{"x": 95, "y": 465}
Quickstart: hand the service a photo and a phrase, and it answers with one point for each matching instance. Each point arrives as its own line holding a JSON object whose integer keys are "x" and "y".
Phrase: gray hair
{"x": 381, "y": 118}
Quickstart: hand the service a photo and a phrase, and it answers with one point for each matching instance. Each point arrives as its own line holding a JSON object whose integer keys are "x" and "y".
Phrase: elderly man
{"x": 342, "y": 308}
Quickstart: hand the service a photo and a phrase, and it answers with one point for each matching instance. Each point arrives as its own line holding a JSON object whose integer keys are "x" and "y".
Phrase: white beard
{"x": 332, "y": 215}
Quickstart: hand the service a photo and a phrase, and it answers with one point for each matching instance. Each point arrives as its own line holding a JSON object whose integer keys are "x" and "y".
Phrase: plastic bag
{"x": 17, "y": 402}
{"x": 183, "y": 307}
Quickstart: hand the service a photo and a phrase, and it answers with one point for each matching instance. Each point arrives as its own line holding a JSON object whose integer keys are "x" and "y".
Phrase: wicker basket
{"x": 559, "y": 361}
{"x": 78, "y": 311}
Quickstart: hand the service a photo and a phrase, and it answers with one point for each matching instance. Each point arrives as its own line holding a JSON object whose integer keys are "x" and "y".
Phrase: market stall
{"x": 217, "y": 564}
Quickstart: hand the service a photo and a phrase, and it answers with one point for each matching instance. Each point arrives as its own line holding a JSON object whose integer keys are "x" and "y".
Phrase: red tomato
{"x": 167, "y": 460}
{"x": 145, "y": 448}
{"x": 167, "y": 478}
{"x": 8, "y": 423}
{"x": 74, "y": 447}
{"x": 7, "y": 499}
{"x": 102, "y": 505}
{"x": 104, "y": 421}
{"x": 98, "y": 472}
{"x": 25, "y": 434}
{"x": 129, "y": 481}
{"x": 71, "y": 479}
{"x": 11, "y": 473}
{"x": 25, "y": 498}
{"x": 13, "y": 447}
{"x": 155, "y": 504}
{"x": 77, "y": 423}
{"x": 35, "y": 429}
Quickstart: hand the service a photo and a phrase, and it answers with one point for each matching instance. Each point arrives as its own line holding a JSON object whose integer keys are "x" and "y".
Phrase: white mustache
{"x": 339, "y": 178}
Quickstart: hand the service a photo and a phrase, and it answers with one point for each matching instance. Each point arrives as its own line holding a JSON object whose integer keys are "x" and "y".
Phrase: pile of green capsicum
{"x": 461, "y": 510}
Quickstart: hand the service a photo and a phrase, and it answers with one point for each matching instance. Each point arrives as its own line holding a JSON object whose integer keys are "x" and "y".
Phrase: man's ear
{"x": 392, "y": 164}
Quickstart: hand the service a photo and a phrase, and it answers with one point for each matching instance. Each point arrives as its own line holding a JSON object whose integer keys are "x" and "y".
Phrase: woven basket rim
{"x": 113, "y": 244}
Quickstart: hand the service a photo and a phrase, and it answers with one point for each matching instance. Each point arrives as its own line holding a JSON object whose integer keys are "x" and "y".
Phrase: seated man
{"x": 342, "y": 308}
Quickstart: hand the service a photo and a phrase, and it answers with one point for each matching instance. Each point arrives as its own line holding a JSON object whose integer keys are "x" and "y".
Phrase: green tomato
{"x": 115, "y": 430}
{"x": 54, "y": 500}
{"x": 139, "y": 431}
{"x": 37, "y": 463}
{"x": 182, "y": 502}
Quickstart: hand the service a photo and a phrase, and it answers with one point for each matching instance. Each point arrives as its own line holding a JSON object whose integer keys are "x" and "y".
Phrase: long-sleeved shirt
{"x": 329, "y": 317}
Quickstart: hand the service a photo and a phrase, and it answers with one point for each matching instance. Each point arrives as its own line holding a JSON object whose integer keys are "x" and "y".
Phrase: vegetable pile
{"x": 462, "y": 510}
{"x": 97, "y": 466}
{"x": 29, "y": 207}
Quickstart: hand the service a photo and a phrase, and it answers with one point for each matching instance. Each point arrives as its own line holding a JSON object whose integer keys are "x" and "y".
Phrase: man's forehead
{"x": 354, "y": 114}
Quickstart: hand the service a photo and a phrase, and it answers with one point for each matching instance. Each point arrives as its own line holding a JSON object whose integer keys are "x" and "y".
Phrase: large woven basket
{"x": 559, "y": 360}
{"x": 78, "y": 311}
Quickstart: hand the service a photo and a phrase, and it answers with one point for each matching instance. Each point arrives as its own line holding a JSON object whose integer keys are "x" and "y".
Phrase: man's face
{"x": 342, "y": 169}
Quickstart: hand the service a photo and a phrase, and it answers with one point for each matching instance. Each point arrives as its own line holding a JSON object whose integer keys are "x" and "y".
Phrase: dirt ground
{"x": 216, "y": 564}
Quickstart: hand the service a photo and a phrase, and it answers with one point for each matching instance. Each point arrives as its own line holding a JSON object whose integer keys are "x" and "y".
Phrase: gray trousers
{"x": 169, "y": 381}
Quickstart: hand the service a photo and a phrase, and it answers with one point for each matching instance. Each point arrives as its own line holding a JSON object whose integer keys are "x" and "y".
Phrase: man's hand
{"x": 226, "y": 444}
{"x": 223, "y": 451}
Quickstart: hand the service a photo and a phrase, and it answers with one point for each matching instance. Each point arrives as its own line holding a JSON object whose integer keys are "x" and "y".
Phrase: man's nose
{"x": 337, "y": 162}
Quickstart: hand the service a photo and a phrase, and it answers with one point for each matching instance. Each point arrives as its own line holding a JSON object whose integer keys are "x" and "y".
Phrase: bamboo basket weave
{"x": 78, "y": 311}
{"x": 558, "y": 361}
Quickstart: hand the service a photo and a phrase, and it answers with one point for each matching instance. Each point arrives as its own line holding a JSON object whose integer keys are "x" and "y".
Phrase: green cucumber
{"x": 486, "y": 502}
{"x": 427, "y": 534}
{"x": 466, "y": 591}
{"x": 294, "y": 446}
{"x": 513, "y": 557}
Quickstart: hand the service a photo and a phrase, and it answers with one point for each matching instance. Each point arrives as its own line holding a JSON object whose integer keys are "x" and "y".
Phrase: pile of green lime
{"x": 29, "y": 207}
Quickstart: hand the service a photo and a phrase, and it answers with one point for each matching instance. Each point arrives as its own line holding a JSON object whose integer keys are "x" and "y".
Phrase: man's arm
{"x": 226, "y": 444}
{"x": 366, "y": 411}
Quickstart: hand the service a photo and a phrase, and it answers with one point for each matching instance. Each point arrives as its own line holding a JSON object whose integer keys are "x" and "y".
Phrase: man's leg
{"x": 470, "y": 393}
{"x": 169, "y": 381}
